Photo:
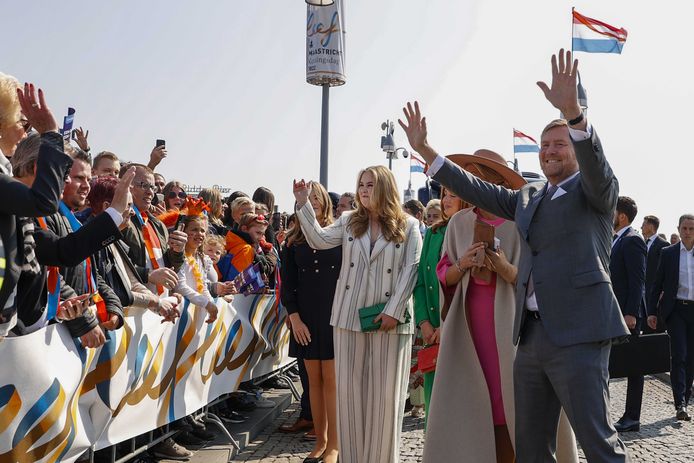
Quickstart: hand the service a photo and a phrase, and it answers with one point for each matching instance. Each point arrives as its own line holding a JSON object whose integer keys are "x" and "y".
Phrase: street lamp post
{"x": 325, "y": 61}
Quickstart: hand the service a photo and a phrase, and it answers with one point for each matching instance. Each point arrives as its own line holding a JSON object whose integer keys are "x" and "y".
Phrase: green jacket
{"x": 426, "y": 291}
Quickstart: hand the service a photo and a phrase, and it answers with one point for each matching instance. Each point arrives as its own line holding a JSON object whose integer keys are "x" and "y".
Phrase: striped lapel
{"x": 379, "y": 246}
{"x": 364, "y": 246}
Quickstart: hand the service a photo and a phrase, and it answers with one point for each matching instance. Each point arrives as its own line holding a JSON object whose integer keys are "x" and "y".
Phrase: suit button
{"x": 428, "y": 267}
{"x": 314, "y": 251}
{"x": 317, "y": 270}
{"x": 351, "y": 264}
{"x": 315, "y": 261}
{"x": 535, "y": 253}
{"x": 332, "y": 266}
{"x": 397, "y": 245}
{"x": 347, "y": 287}
{"x": 350, "y": 239}
{"x": 432, "y": 309}
{"x": 387, "y": 294}
{"x": 389, "y": 270}
{"x": 596, "y": 148}
{"x": 431, "y": 287}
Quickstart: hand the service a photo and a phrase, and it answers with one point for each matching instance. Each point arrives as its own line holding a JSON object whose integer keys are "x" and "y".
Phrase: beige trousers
{"x": 372, "y": 371}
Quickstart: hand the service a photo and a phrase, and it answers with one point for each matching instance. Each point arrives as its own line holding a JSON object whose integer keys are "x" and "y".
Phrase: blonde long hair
{"x": 295, "y": 235}
{"x": 385, "y": 200}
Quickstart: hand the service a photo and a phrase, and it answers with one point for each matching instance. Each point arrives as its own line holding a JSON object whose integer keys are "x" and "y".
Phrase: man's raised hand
{"x": 121, "y": 196}
{"x": 562, "y": 93}
{"x": 416, "y": 128}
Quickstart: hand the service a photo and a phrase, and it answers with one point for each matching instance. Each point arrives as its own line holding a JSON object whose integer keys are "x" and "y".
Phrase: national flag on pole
{"x": 593, "y": 36}
{"x": 416, "y": 164}
{"x": 523, "y": 143}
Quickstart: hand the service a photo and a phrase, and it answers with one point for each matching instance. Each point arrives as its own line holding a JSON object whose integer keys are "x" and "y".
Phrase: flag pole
{"x": 572, "y": 31}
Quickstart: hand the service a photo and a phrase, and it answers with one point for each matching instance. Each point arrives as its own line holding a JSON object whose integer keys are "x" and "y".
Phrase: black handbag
{"x": 647, "y": 354}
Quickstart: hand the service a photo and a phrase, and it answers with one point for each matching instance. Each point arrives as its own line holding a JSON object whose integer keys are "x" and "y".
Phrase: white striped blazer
{"x": 387, "y": 274}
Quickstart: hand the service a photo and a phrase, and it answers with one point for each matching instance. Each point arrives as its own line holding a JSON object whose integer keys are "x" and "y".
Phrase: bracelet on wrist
{"x": 458, "y": 267}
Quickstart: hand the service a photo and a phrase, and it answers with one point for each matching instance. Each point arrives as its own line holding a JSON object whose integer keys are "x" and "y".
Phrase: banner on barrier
{"x": 57, "y": 399}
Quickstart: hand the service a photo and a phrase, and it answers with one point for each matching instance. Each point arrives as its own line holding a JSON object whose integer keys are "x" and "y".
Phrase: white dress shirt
{"x": 685, "y": 289}
{"x": 619, "y": 234}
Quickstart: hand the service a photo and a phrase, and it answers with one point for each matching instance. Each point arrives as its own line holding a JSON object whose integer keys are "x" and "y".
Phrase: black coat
{"x": 20, "y": 200}
{"x": 667, "y": 280}
{"x": 652, "y": 261}
{"x": 134, "y": 239}
{"x": 628, "y": 273}
{"x": 309, "y": 277}
{"x": 61, "y": 251}
{"x": 76, "y": 276}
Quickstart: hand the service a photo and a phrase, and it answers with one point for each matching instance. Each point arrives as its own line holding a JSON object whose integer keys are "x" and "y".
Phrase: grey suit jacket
{"x": 565, "y": 243}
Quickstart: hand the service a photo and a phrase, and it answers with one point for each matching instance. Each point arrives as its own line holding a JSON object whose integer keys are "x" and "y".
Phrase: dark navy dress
{"x": 309, "y": 277}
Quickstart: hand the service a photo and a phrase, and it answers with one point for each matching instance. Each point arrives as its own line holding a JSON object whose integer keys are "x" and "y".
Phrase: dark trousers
{"x": 547, "y": 378}
{"x": 305, "y": 402}
{"x": 632, "y": 409}
{"x": 680, "y": 327}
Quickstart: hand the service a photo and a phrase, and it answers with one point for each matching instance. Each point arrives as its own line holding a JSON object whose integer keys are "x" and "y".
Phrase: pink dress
{"x": 479, "y": 301}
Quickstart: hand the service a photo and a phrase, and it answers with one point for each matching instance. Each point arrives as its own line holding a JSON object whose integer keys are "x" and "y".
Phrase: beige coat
{"x": 460, "y": 426}
{"x": 386, "y": 274}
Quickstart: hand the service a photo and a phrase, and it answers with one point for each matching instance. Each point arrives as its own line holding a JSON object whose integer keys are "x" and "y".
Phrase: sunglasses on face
{"x": 180, "y": 194}
{"x": 145, "y": 186}
{"x": 25, "y": 124}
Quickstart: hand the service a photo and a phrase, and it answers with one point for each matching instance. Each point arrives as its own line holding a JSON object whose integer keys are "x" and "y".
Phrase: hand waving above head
{"x": 562, "y": 92}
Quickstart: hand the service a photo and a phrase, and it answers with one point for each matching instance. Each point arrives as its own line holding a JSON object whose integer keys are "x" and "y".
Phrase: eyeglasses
{"x": 145, "y": 186}
{"x": 24, "y": 122}
{"x": 180, "y": 194}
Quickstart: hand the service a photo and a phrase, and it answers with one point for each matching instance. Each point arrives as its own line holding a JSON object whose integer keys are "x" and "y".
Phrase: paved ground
{"x": 661, "y": 439}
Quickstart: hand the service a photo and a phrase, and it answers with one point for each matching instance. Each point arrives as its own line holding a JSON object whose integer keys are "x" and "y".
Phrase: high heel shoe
{"x": 314, "y": 459}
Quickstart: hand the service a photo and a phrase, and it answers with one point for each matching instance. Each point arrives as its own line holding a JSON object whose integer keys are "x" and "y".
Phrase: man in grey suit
{"x": 566, "y": 312}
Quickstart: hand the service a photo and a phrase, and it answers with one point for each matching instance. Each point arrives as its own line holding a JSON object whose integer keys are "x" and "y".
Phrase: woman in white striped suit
{"x": 380, "y": 256}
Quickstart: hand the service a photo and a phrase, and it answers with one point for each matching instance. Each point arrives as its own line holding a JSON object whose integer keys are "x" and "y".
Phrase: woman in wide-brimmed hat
{"x": 471, "y": 416}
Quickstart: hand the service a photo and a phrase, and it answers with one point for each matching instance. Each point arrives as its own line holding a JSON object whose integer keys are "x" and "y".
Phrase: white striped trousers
{"x": 372, "y": 371}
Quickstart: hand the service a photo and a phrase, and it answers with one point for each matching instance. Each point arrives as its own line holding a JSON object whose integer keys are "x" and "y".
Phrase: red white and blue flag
{"x": 593, "y": 36}
{"x": 523, "y": 143}
{"x": 416, "y": 164}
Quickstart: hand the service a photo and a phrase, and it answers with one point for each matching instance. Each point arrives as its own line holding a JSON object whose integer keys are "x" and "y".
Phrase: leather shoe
{"x": 682, "y": 414}
{"x": 299, "y": 425}
{"x": 627, "y": 425}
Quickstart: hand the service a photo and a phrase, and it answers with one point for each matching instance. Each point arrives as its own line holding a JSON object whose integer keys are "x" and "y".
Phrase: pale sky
{"x": 224, "y": 83}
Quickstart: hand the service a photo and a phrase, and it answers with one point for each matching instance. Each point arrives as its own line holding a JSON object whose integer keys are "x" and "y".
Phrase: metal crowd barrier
{"x": 204, "y": 413}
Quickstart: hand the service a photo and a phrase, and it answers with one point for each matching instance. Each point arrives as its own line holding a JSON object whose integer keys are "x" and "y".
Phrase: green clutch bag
{"x": 367, "y": 315}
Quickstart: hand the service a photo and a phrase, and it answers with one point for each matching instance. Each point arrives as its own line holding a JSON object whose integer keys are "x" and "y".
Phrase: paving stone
{"x": 661, "y": 438}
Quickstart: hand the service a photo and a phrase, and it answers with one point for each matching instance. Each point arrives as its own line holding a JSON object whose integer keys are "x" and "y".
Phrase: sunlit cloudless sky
{"x": 223, "y": 82}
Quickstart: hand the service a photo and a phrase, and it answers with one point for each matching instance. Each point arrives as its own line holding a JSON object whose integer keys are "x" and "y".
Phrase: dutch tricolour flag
{"x": 523, "y": 143}
{"x": 593, "y": 36}
{"x": 416, "y": 164}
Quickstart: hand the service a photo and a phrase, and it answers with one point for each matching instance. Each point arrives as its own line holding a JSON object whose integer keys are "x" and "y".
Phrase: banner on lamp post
{"x": 325, "y": 45}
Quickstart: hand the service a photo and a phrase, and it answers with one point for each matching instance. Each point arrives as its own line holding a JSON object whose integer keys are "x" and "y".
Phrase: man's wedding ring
{"x": 35, "y": 105}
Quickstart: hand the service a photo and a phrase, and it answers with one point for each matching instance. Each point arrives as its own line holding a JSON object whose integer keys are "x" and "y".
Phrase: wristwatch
{"x": 577, "y": 120}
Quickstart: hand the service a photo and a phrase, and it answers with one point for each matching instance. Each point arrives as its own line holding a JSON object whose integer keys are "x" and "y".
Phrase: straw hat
{"x": 492, "y": 160}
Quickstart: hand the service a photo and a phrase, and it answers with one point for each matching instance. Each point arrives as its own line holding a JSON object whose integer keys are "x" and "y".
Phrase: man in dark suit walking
{"x": 628, "y": 274}
{"x": 566, "y": 312}
{"x": 674, "y": 279}
{"x": 654, "y": 244}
